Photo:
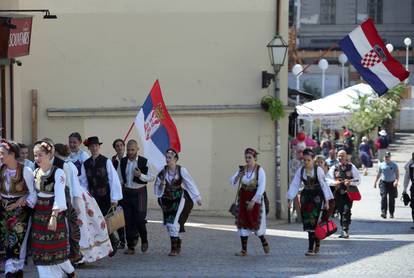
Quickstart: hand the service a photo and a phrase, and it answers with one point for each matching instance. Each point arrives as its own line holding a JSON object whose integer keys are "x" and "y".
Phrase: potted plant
{"x": 274, "y": 106}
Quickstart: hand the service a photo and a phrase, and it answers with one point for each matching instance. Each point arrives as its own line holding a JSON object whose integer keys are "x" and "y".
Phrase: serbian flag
{"x": 367, "y": 53}
{"x": 156, "y": 130}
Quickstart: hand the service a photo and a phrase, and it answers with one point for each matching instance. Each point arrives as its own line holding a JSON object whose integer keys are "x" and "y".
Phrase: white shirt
{"x": 113, "y": 179}
{"x": 29, "y": 163}
{"x": 28, "y": 178}
{"x": 330, "y": 177}
{"x": 129, "y": 173}
{"x": 296, "y": 183}
{"x": 188, "y": 184}
{"x": 80, "y": 156}
{"x": 72, "y": 180}
{"x": 248, "y": 177}
{"x": 59, "y": 189}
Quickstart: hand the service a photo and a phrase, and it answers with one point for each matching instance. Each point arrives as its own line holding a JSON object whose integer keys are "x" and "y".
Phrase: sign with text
{"x": 15, "y": 35}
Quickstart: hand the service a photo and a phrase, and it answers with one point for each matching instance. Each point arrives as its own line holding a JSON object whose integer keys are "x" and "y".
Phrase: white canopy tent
{"x": 331, "y": 108}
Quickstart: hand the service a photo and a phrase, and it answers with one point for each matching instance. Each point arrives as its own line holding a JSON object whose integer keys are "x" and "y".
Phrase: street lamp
{"x": 323, "y": 65}
{"x": 297, "y": 71}
{"x": 407, "y": 42}
{"x": 343, "y": 59}
{"x": 277, "y": 53}
{"x": 390, "y": 47}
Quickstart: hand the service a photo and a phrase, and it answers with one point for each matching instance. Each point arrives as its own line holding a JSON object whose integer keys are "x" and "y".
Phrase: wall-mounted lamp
{"x": 46, "y": 12}
{"x": 277, "y": 53}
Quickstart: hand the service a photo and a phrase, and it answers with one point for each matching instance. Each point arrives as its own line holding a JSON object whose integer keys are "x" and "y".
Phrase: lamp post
{"x": 297, "y": 71}
{"x": 407, "y": 42}
{"x": 323, "y": 65}
{"x": 390, "y": 47}
{"x": 343, "y": 59}
{"x": 277, "y": 48}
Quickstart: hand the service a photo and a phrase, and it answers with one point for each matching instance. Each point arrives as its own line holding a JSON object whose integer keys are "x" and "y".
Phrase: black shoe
{"x": 144, "y": 247}
{"x": 384, "y": 215}
{"x": 412, "y": 228}
{"x": 113, "y": 253}
{"x": 121, "y": 245}
{"x": 391, "y": 215}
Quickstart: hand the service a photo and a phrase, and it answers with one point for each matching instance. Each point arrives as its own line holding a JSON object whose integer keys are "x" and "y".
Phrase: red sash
{"x": 248, "y": 219}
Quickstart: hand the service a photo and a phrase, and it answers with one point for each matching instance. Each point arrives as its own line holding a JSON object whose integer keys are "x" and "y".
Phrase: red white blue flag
{"x": 367, "y": 53}
{"x": 157, "y": 131}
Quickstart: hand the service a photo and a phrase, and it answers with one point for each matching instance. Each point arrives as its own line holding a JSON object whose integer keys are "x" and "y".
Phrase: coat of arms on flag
{"x": 367, "y": 53}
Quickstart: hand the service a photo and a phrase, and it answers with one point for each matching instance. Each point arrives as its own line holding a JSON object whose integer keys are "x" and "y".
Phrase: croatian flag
{"x": 367, "y": 53}
{"x": 156, "y": 130}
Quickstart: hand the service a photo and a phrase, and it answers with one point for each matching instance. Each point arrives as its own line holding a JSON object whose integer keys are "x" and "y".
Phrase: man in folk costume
{"x": 119, "y": 146}
{"x": 409, "y": 176}
{"x": 341, "y": 176}
{"x": 100, "y": 178}
{"x": 133, "y": 173}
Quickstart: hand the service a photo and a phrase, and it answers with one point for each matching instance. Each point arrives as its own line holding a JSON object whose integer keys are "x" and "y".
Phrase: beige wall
{"x": 108, "y": 54}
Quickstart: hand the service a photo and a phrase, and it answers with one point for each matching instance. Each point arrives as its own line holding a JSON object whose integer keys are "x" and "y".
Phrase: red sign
{"x": 15, "y": 34}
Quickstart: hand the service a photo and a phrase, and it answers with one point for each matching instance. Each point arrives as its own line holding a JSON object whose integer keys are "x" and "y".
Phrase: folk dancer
{"x": 169, "y": 188}
{"x": 251, "y": 179}
{"x": 315, "y": 194}
{"x": 409, "y": 176}
{"x": 17, "y": 194}
{"x": 99, "y": 177}
{"x": 134, "y": 176}
{"x": 78, "y": 156}
{"x": 119, "y": 146}
{"x": 341, "y": 176}
{"x": 94, "y": 239}
{"x": 49, "y": 233}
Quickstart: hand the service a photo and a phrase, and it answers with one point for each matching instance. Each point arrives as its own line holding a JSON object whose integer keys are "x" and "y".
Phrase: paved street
{"x": 376, "y": 248}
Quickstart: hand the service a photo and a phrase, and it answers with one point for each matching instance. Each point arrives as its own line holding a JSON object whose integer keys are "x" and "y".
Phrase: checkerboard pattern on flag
{"x": 156, "y": 130}
{"x": 367, "y": 53}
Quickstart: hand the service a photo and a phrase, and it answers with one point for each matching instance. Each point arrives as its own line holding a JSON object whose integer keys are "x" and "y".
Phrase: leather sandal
{"x": 242, "y": 253}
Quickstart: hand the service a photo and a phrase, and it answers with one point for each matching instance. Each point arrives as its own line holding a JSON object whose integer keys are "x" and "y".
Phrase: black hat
{"x": 388, "y": 154}
{"x": 92, "y": 140}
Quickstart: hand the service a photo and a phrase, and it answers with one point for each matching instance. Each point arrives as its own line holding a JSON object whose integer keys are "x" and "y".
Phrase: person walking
{"x": 169, "y": 187}
{"x": 134, "y": 176}
{"x": 382, "y": 144}
{"x": 388, "y": 184}
{"x": 315, "y": 194}
{"x": 365, "y": 155}
{"x": 77, "y": 155}
{"x": 409, "y": 177}
{"x": 251, "y": 179}
{"x": 17, "y": 196}
{"x": 341, "y": 176}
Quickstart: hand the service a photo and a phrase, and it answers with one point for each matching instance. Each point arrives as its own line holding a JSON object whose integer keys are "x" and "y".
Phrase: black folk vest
{"x": 175, "y": 184}
{"x": 142, "y": 166}
{"x": 45, "y": 183}
{"x": 311, "y": 183}
{"x": 18, "y": 185}
{"x": 97, "y": 176}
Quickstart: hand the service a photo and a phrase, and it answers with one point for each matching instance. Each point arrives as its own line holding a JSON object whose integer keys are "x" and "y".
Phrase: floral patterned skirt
{"x": 48, "y": 247}
{"x": 13, "y": 227}
{"x": 310, "y": 206}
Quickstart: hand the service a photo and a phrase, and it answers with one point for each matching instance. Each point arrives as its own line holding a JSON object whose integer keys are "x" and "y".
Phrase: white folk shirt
{"x": 80, "y": 156}
{"x": 113, "y": 180}
{"x": 248, "y": 177}
{"x": 129, "y": 173}
{"x": 296, "y": 183}
{"x": 330, "y": 177}
{"x": 188, "y": 185}
{"x": 28, "y": 178}
{"x": 59, "y": 189}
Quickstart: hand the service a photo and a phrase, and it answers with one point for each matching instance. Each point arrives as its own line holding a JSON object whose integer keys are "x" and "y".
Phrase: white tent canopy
{"x": 331, "y": 107}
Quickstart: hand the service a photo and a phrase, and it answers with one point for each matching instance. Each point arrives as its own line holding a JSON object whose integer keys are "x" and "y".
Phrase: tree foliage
{"x": 369, "y": 112}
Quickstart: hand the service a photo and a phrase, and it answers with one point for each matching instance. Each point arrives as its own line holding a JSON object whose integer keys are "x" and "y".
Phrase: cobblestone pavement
{"x": 377, "y": 247}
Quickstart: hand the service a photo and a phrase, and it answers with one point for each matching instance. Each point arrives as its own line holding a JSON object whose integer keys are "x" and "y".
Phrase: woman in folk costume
{"x": 17, "y": 194}
{"x": 314, "y": 194}
{"x": 49, "y": 233}
{"x": 251, "y": 179}
{"x": 169, "y": 187}
{"x": 94, "y": 239}
{"x": 77, "y": 155}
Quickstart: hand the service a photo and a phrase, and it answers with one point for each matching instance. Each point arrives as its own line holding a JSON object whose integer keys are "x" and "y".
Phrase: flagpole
{"x": 317, "y": 59}
{"x": 129, "y": 131}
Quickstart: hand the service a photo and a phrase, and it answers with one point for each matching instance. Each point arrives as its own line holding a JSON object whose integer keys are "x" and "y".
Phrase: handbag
{"x": 115, "y": 219}
{"x": 324, "y": 228}
{"x": 353, "y": 193}
{"x": 405, "y": 198}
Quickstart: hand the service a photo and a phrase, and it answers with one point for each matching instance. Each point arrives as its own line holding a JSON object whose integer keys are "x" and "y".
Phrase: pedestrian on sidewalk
{"x": 134, "y": 176}
{"x": 251, "y": 179}
{"x": 382, "y": 144}
{"x": 169, "y": 188}
{"x": 341, "y": 176}
{"x": 388, "y": 184}
{"x": 314, "y": 195}
{"x": 409, "y": 176}
{"x": 365, "y": 155}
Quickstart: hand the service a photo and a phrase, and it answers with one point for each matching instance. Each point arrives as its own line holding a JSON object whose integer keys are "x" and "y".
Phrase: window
{"x": 328, "y": 12}
{"x": 374, "y": 9}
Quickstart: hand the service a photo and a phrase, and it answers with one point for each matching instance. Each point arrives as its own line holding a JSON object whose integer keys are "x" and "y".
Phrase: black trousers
{"x": 135, "y": 211}
{"x": 412, "y": 201}
{"x": 388, "y": 195}
{"x": 344, "y": 206}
